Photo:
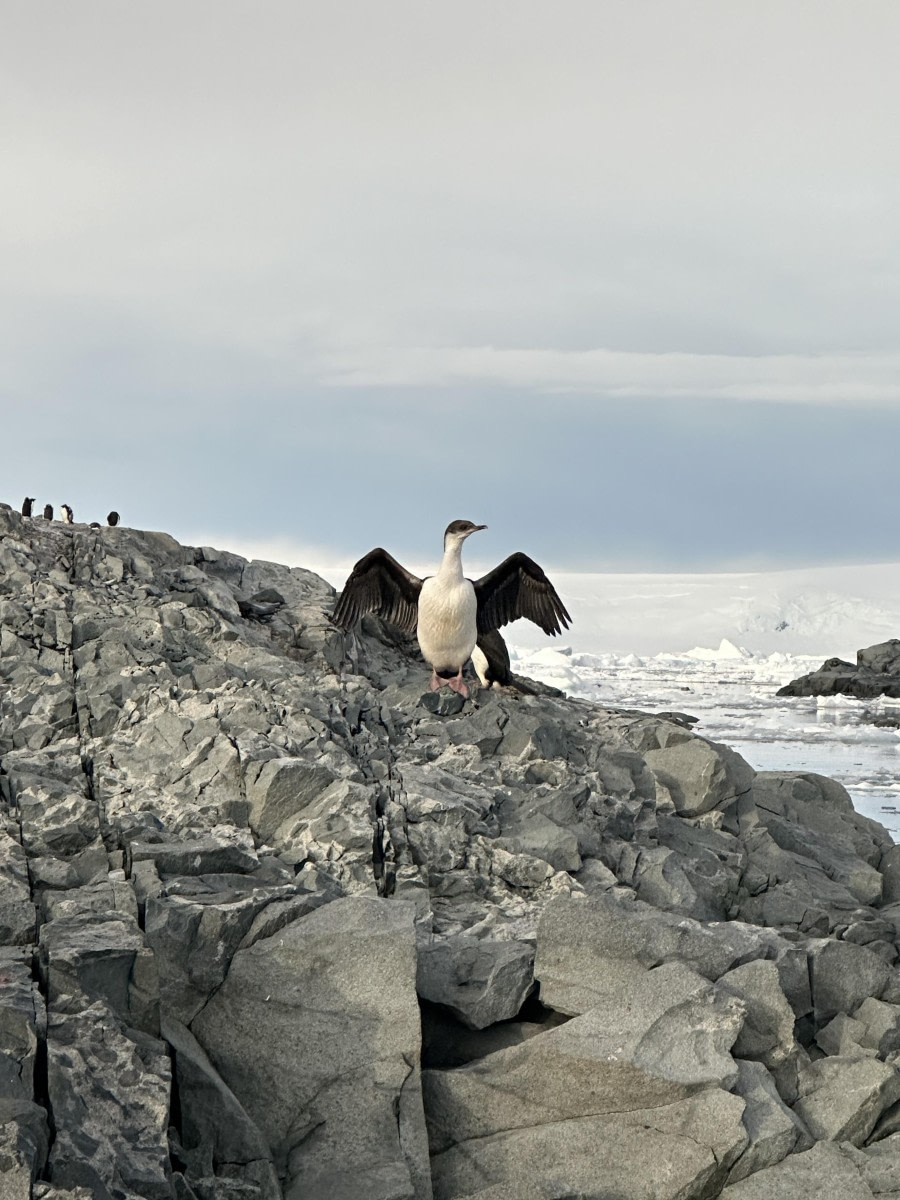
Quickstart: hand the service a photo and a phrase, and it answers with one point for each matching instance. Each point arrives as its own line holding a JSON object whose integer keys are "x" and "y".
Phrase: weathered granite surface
{"x": 277, "y": 922}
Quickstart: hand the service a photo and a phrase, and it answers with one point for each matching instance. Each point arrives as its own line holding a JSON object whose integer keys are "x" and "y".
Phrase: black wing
{"x": 519, "y": 588}
{"x": 379, "y": 585}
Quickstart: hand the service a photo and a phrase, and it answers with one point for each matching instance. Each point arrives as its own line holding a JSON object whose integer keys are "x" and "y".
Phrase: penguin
{"x": 26, "y": 506}
{"x": 48, "y": 512}
{"x": 68, "y": 515}
{"x": 112, "y": 518}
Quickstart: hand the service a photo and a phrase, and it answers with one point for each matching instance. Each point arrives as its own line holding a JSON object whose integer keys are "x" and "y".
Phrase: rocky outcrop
{"x": 875, "y": 673}
{"x": 276, "y": 922}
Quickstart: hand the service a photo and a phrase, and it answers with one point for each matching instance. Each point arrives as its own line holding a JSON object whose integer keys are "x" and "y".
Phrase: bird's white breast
{"x": 447, "y": 630}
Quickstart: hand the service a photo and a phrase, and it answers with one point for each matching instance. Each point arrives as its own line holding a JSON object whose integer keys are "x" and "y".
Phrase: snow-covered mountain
{"x": 820, "y": 611}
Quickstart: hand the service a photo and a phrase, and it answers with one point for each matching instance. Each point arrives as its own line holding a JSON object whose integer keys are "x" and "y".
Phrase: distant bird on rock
{"x": 26, "y": 506}
{"x": 48, "y": 512}
{"x": 112, "y": 518}
{"x": 68, "y": 515}
{"x": 446, "y": 611}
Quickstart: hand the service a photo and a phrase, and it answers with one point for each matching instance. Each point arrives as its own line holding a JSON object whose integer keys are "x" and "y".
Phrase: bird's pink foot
{"x": 456, "y": 684}
{"x": 436, "y": 683}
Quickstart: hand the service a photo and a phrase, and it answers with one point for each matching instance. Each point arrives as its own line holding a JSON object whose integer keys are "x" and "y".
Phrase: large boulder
{"x": 216, "y": 1133}
{"x": 773, "y": 1131}
{"x": 668, "y": 1152}
{"x": 694, "y": 775}
{"x": 843, "y": 975}
{"x": 581, "y": 941}
{"x": 339, "y": 1103}
{"x": 843, "y": 1098}
{"x": 629, "y": 1051}
{"x": 632, "y": 1076}
{"x": 820, "y": 1172}
{"x": 479, "y": 981}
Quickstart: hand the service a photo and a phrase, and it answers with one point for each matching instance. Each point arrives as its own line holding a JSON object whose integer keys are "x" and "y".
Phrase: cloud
{"x": 253, "y": 263}
{"x": 871, "y": 380}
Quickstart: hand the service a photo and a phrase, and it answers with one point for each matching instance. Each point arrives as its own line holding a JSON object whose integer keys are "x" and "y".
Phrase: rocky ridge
{"x": 876, "y": 672}
{"x": 275, "y": 923}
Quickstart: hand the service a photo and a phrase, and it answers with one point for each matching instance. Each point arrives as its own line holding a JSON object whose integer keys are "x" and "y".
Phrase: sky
{"x": 619, "y": 279}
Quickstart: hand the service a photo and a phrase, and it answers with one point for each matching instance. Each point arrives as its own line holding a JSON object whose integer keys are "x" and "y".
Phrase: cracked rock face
{"x": 253, "y": 878}
{"x": 342, "y": 1097}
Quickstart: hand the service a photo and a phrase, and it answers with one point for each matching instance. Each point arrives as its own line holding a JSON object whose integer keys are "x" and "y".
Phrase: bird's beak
{"x": 477, "y": 527}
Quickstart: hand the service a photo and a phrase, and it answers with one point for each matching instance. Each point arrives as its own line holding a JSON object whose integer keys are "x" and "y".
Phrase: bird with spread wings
{"x": 446, "y": 611}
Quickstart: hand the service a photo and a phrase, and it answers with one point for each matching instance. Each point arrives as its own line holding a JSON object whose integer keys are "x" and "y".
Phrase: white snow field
{"x": 822, "y": 611}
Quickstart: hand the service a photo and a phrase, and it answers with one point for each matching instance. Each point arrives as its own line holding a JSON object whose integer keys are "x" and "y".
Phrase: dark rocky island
{"x": 875, "y": 673}
{"x": 276, "y": 924}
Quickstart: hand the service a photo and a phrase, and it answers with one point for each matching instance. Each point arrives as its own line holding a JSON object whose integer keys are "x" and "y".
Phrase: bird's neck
{"x": 451, "y": 564}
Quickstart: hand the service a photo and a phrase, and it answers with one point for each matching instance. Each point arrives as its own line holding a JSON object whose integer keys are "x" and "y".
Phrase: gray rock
{"x": 842, "y": 976}
{"x": 222, "y": 851}
{"x": 656, "y": 1037}
{"x": 669, "y": 1152}
{"x": 215, "y": 1130}
{"x": 768, "y": 1032}
{"x": 24, "y": 1142}
{"x": 341, "y": 1104}
{"x": 580, "y": 940}
{"x": 844, "y": 1097}
{"x": 698, "y": 775}
{"x": 890, "y": 871}
{"x": 881, "y": 1026}
{"x": 101, "y": 956}
{"x": 883, "y": 657}
{"x": 46, "y": 1191}
{"x": 773, "y": 1130}
{"x": 880, "y": 1170}
{"x": 123, "y": 1082}
{"x": 696, "y": 869}
{"x": 846, "y": 1037}
{"x": 281, "y": 789}
{"x": 109, "y": 896}
{"x": 22, "y": 1018}
{"x": 194, "y": 937}
{"x": 847, "y": 846}
{"x": 481, "y": 982}
{"x": 821, "y": 1173}
{"x": 873, "y": 675}
{"x": 17, "y": 913}
{"x": 542, "y": 838}
{"x": 887, "y": 1127}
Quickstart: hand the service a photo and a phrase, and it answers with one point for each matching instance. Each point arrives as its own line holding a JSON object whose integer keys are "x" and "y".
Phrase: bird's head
{"x": 457, "y": 532}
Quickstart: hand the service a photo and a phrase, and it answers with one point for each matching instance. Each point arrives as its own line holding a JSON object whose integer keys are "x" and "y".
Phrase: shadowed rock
{"x": 876, "y": 673}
